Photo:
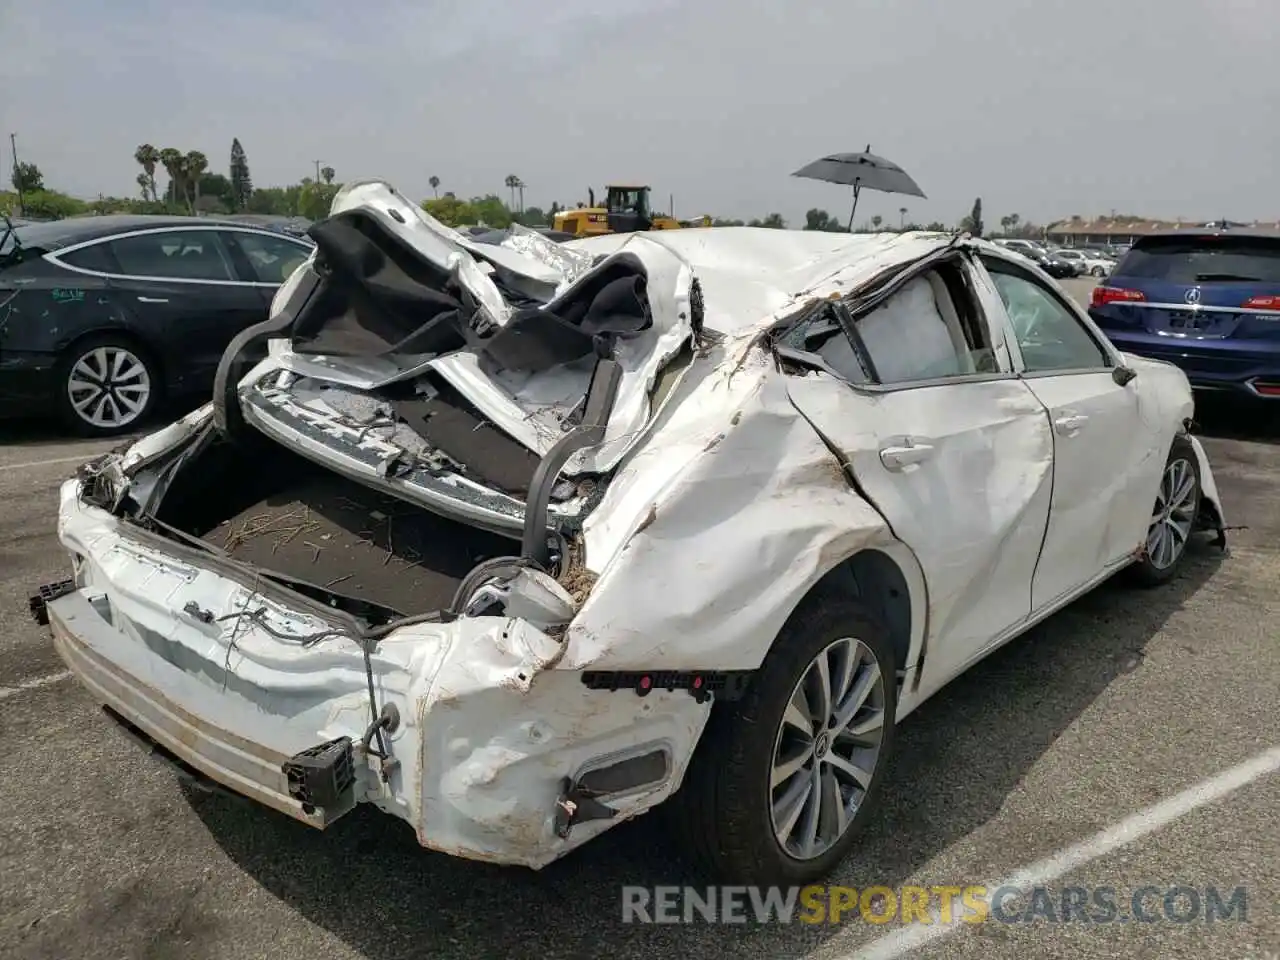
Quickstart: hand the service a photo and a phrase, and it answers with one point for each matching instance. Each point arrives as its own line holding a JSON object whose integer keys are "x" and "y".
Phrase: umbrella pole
{"x": 856, "y": 190}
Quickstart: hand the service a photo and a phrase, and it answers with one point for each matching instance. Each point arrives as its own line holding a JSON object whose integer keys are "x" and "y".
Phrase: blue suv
{"x": 1205, "y": 300}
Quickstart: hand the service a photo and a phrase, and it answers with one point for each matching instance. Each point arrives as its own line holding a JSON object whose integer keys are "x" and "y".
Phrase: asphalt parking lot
{"x": 1109, "y": 708}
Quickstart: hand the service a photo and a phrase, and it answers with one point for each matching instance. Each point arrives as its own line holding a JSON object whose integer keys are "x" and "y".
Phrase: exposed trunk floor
{"x": 336, "y": 533}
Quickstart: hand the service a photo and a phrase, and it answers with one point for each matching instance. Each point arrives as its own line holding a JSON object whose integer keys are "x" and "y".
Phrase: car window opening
{"x": 929, "y": 328}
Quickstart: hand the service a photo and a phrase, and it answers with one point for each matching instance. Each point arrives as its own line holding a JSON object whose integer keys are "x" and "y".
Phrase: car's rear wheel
{"x": 784, "y": 779}
{"x": 1173, "y": 517}
{"x": 108, "y": 385}
{"x": 1098, "y": 272}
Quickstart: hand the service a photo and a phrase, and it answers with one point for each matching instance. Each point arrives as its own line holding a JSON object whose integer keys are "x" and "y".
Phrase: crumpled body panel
{"x": 718, "y": 504}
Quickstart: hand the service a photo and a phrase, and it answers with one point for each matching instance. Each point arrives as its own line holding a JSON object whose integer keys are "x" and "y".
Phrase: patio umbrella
{"x": 862, "y": 171}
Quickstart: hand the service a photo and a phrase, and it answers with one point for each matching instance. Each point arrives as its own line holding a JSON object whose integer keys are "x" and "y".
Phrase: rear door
{"x": 1105, "y": 460}
{"x": 182, "y": 288}
{"x": 947, "y": 443}
{"x": 265, "y": 259}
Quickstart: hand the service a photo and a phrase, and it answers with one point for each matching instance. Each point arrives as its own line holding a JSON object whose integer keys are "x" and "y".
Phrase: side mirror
{"x": 1123, "y": 375}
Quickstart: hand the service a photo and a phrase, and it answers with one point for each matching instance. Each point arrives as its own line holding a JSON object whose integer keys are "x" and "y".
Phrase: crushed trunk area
{"x": 268, "y": 507}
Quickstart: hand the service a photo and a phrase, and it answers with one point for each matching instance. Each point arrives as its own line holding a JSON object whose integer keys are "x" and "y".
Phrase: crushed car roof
{"x": 748, "y": 274}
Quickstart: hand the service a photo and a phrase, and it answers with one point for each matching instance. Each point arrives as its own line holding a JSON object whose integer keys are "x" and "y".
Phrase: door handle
{"x": 153, "y": 300}
{"x": 899, "y": 458}
{"x": 1070, "y": 423}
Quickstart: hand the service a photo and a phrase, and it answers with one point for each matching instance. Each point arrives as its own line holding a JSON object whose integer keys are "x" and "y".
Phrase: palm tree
{"x": 902, "y": 218}
{"x": 1005, "y": 223}
{"x": 876, "y": 221}
{"x": 195, "y": 164}
{"x": 1014, "y": 220}
{"x": 327, "y": 174}
{"x": 145, "y": 184}
{"x": 148, "y": 156}
{"x": 435, "y": 186}
{"x": 511, "y": 183}
{"x": 171, "y": 160}
{"x": 520, "y": 187}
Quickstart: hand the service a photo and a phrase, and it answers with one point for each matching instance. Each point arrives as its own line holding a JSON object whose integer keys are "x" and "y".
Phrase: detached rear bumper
{"x": 234, "y": 759}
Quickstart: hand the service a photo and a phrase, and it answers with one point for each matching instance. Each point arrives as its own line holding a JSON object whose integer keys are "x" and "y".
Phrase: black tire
{"x": 1099, "y": 272}
{"x": 1154, "y": 572}
{"x": 124, "y": 392}
{"x": 724, "y": 806}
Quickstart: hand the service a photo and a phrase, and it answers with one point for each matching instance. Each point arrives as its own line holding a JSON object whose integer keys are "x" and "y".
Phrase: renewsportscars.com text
{"x": 972, "y": 903}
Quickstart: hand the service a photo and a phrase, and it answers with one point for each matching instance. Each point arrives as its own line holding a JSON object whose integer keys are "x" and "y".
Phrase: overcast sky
{"x": 1046, "y": 108}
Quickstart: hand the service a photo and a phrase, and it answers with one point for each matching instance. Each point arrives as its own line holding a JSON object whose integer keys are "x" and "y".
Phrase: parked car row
{"x": 103, "y": 317}
{"x": 1062, "y": 262}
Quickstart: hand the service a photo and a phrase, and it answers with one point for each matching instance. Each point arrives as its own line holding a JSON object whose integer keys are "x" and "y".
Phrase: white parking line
{"x": 47, "y": 463}
{"x": 907, "y": 940}
{"x": 36, "y": 684}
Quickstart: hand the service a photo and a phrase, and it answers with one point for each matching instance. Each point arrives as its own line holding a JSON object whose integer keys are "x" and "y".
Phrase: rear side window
{"x": 172, "y": 254}
{"x": 94, "y": 257}
{"x": 1204, "y": 260}
{"x": 273, "y": 259}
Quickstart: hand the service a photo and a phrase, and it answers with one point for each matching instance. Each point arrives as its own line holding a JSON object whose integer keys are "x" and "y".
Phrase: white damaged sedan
{"x": 516, "y": 542}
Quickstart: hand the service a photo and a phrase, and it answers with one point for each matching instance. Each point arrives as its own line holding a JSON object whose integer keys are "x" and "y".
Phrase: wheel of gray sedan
{"x": 108, "y": 386}
{"x": 783, "y": 780}
{"x": 1099, "y": 271}
{"x": 1173, "y": 517}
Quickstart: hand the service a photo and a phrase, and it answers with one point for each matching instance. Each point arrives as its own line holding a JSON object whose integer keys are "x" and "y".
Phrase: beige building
{"x": 1101, "y": 231}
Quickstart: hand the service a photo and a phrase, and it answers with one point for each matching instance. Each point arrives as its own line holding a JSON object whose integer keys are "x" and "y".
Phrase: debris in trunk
{"x": 577, "y": 580}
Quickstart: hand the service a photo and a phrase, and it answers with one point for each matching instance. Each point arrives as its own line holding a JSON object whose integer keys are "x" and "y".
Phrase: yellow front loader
{"x": 626, "y": 210}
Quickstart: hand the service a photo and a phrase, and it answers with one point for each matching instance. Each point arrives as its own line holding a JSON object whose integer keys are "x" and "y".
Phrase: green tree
{"x": 327, "y": 174}
{"x": 973, "y": 222}
{"x": 51, "y": 205}
{"x": 511, "y": 182}
{"x": 876, "y": 221}
{"x": 773, "y": 221}
{"x": 491, "y": 211}
{"x": 241, "y": 182}
{"x": 435, "y": 185}
{"x": 816, "y": 219}
{"x": 194, "y": 165}
{"x": 316, "y": 199}
{"x": 216, "y": 194}
{"x": 450, "y": 211}
{"x": 27, "y": 178}
{"x": 173, "y": 162}
{"x": 148, "y": 157}
{"x": 533, "y": 217}
{"x": 276, "y": 201}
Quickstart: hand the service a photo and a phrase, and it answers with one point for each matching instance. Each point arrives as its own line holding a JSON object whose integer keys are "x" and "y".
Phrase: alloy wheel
{"x": 1174, "y": 514}
{"x": 827, "y": 748}
{"x": 109, "y": 387}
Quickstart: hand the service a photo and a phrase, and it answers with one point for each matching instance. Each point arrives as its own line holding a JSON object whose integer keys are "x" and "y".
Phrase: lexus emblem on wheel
{"x": 1193, "y": 295}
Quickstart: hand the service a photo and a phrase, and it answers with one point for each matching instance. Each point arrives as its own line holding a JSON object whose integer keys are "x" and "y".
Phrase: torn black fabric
{"x": 381, "y": 297}
{"x": 612, "y": 302}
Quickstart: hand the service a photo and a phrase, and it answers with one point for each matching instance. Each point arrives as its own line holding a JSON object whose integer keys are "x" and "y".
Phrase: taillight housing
{"x": 1104, "y": 295}
{"x": 1267, "y": 302}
